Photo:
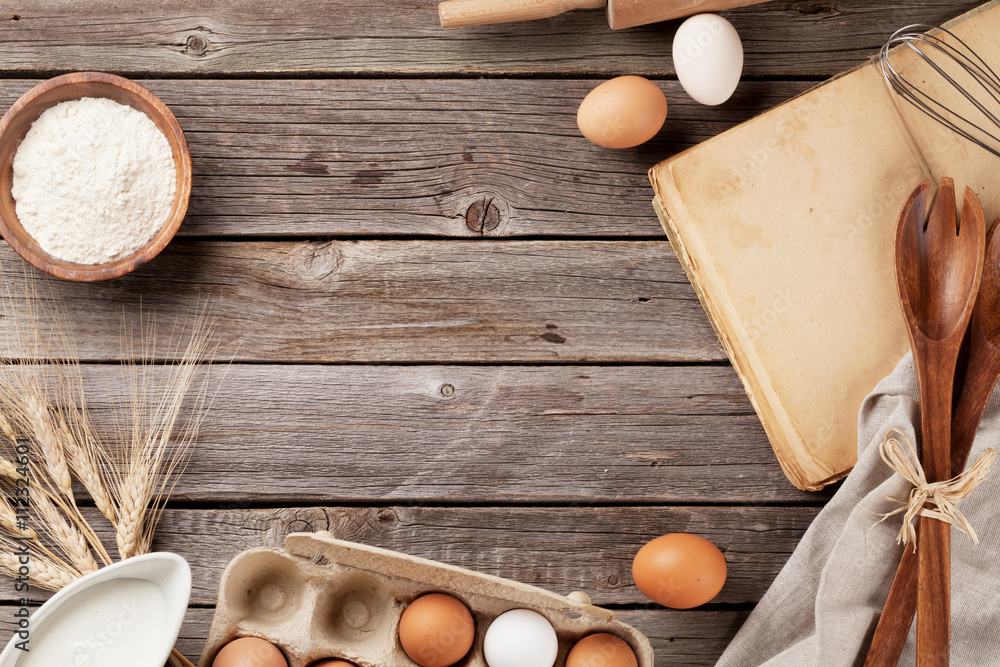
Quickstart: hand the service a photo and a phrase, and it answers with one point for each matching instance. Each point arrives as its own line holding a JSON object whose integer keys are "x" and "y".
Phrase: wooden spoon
{"x": 939, "y": 264}
{"x": 982, "y": 376}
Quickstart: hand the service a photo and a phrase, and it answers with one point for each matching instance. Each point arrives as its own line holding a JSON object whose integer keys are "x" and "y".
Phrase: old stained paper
{"x": 785, "y": 226}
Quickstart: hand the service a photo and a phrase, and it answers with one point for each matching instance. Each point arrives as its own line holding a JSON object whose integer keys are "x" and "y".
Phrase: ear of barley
{"x": 66, "y": 534}
{"x": 7, "y": 429}
{"x": 84, "y": 461}
{"x": 50, "y": 444}
{"x": 8, "y": 519}
{"x": 8, "y": 469}
{"x": 133, "y": 497}
{"x": 155, "y": 445}
{"x": 44, "y": 572}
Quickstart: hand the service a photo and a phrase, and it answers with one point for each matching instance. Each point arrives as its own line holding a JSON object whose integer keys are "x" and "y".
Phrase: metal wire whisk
{"x": 982, "y": 90}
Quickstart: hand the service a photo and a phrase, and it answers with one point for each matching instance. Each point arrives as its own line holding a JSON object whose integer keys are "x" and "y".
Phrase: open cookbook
{"x": 785, "y": 227}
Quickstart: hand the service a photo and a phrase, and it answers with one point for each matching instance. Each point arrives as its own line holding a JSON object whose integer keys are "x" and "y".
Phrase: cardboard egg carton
{"x": 322, "y": 597}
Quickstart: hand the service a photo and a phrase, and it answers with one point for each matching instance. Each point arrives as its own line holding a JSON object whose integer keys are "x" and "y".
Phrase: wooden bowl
{"x": 16, "y": 123}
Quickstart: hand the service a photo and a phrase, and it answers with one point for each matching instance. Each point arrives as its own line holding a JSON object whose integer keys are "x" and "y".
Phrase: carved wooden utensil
{"x": 981, "y": 377}
{"x": 621, "y": 13}
{"x": 939, "y": 264}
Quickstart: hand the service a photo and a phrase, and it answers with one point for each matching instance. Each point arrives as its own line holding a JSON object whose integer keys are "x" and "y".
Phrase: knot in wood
{"x": 197, "y": 45}
{"x": 385, "y": 516}
{"x": 816, "y": 8}
{"x": 483, "y": 216}
{"x": 319, "y": 261}
{"x": 447, "y": 390}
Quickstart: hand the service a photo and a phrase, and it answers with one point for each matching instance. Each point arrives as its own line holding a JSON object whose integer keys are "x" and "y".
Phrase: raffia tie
{"x": 944, "y": 496}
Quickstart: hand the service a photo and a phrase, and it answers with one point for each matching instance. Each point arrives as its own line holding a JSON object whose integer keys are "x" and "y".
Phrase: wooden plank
{"x": 459, "y": 434}
{"x": 357, "y": 158}
{"x": 562, "y": 549}
{"x": 689, "y": 638}
{"x": 420, "y": 301}
{"x": 789, "y": 38}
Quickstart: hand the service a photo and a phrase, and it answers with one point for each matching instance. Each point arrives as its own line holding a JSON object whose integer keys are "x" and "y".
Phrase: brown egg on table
{"x": 622, "y": 112}
{"x": 601, "y": 650}
{"x": 679, "y": 570}
{"x": 249, "y": 652}
{"x": 436, "y": 630}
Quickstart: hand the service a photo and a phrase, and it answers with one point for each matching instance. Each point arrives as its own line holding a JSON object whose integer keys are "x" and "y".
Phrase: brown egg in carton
{"x": 322, "y": 598}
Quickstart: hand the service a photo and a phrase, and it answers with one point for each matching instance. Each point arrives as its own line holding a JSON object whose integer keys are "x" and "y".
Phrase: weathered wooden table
{"x": 458, "y": 330}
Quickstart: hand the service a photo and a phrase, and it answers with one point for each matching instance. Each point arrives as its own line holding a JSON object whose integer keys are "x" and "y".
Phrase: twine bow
{"x": 943, "y": 495}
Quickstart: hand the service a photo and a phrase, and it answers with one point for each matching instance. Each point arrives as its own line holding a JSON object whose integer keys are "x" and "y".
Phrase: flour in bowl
{"x": 94, "y": 180}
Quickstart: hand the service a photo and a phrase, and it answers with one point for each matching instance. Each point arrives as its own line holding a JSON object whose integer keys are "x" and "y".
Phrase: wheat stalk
{"x": 83, "y": 458}
{"x": 9, "y": 520}
{"x": 53, "y": 495}
{"x": 7, "y": 469}
{"x": 66, "y": 533}
{"x": 152, "y": 449}
{"x": 40, "y": 420}
{"x": 128, "y": 478}
{"x": 45, "y": 572}
{"x": 133, "y": 496}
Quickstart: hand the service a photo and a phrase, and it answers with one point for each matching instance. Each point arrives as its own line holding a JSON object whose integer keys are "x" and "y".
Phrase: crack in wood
{"x": 483, "y": 216}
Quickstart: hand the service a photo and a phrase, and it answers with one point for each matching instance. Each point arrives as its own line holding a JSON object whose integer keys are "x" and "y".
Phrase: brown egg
{"x": 249, "y": 652}
{"x": 622, "y": 112}
{"x": 436, "y": 630}
{"x": 601, "y": 650}
{"x": 679, "y": 570}
{"x": 333, "y": 663}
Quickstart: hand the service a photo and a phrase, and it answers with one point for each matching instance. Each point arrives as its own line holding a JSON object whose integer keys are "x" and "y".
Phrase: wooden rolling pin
{"x": 621, "y": 13}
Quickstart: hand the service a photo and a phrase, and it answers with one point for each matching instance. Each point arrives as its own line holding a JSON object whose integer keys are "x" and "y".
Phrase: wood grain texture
{"x": 320, "y": 37}
{"x": 563, "y": 549}
{"x": 459, "y": 434}
{"x": 689, "y": 638}
{"x": 493, "y": 158}
{"x": 421, "y": 301}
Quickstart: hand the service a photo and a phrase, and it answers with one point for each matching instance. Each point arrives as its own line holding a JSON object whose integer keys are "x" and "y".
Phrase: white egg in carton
{"x": 322, "y": 598}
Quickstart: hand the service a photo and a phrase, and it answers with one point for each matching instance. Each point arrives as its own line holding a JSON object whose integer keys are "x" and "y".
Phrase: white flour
{"x": 93, "y": 180}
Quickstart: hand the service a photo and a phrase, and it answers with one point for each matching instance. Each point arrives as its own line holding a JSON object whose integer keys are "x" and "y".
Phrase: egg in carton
{"x": 323, "y": 598}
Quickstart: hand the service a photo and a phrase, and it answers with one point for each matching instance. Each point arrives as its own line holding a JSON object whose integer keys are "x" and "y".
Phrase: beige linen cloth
{"x": 823, "y": 606}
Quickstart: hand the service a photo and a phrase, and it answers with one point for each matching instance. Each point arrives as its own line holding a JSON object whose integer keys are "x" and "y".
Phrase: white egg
{"x": 520, "y": 638}
{"x": 708, "y": 58}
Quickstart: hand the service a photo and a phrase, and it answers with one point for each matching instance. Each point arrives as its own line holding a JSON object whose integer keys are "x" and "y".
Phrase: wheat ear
{"x": 133, "y": 500}
{"x": 40, "y": 420}
{"x": 18, "y": 528}
{"x": 8, "y": 469}
{"x": 9, "y": 520}
{"x": 154, "y": 449}
{"x": 44, "y": 572}
{"x": 83, "y": 461}
{"x": 66, "y": 534}
{"x": 54, "y": 499}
